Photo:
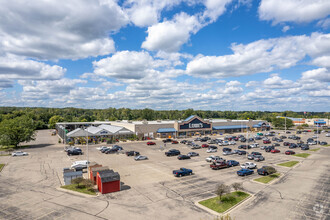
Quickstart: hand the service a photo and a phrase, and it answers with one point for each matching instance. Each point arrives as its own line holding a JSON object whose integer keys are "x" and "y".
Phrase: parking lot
{"x": 29, "y": 185}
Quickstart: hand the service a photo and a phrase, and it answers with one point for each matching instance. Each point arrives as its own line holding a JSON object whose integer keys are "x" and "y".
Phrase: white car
{"x": 255, "y": 145}
{"x": 232, "y": 142}
{"x": 101, "y": 148}
{"x": 19, "y": 153}
{"x": 248, "y": 165}
{"x": 327, "y": 135}
{"x": 227, "y": 153}
{"x": 211, "y": 150}
{"x": 213, "y": 158}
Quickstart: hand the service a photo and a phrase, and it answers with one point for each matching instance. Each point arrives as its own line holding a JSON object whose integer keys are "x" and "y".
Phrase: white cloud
{"x": 169, "y": 36}
{"x": 322, "y": 93}
{"x": 276, "y": 82}
{"x": 59, "y": 29}
{"x": 285, "y": 28}
{"x": 215, "y": 8}
{"x": 323, "y": 61}
{"x": 293, "y": 10}
{"x": 324, "y": 23}
{"x": 12, "y": 67}
{"x": 233, "y": 83}
{"x": 261, "y": 56}
{"x": 320, "y": 74}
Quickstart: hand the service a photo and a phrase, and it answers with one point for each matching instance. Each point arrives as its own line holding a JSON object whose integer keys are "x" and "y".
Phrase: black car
{"x": 183, "y": 157}
{"x": 323, "y": 143}
{"x": 111, "y": 151}
{"x": 251, "y": 140}
{"x": 258, "y": 138}
{"x": 172, "y": 152}
{"x": 213, "y": 147}
{"x": 241, "y": 152}
{"x": 132, "y": 153}
{"x": 242, "y": 139}
{"x": 226, "y": 149}
{"x": 269, "y": 148}
{"x": 183, "y": 141}
{"x": 74, "y": 152}
{"x": 305, "y": 147}
{"x": 293, "y": 145}
{"x": 276, "y": 144}
{"x": 167, "y": 140}
{"x": 256, "y": 153}
{"x": 117, "y": 147}
{"x": 266, "y": 170}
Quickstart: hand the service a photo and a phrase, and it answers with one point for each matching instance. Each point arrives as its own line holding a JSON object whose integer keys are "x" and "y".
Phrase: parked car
{"x": 305, "y": 148}
{"x": 101, "y": 148}
{"x": 172, "y": 152}
{"x": 258, "y": 158}
{"x": 182, "y": 172}
{"x": 167, "y": 140}
{"x": 79, "y": 165}
{"x": 195, "y": 146}
{"x": 192, "y": 154}
{"x": 140, "y": 157}
{"x": 175, "y": 142}
{"x": 19, "y": 153}
{"x": 276, "y": 144}
{"x": 214, "y": 147}
{"x": 323, "y": 143}
{"x": 227, "y": 153}
{"x": 111, "y": 151}
{"x": 151, "y": 143}
{"x": 289, "y": 152}
{"x": 75, "y": 152}
{"x": 242, "y": 139}
{"x": 250, "y": 157}
{"x": 255, "y": 145}
{"x": 241, "y": 152}
{"x": 211, "y": 150}
{"x": 183, "y": 157}
{"x": 266, "y": 170}
{"x": 266, "y": 141}
{"x": 286, "y": 143}
{"x": 213, "y": 158}
{"x": 218, "y": 165}
{"x": 275, "y": 151}
{"x": 117, "y": 147}
{"x": 205, "y": 145}
{"x": 269, "y": 148}
{"x": 293, "y": 145}
{"x": 183, "y": 141}
{"x": 226, "y": 149}
{"x": 232, "y": 163}
{"x": 248, "y": 165}
{"x": 132, "y": 153}
{"x": 245, "y": 172}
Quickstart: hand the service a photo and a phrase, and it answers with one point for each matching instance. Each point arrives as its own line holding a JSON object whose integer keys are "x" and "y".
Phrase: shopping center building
{"x": 191, "y": 126}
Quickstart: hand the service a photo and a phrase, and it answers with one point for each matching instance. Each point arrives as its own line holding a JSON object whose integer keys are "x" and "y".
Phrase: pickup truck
{"x": 218, "y": 165}
{"x": 182, "y": 172}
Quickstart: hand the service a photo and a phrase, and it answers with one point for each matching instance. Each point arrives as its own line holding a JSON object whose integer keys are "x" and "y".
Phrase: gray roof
{"x": 108, "y": 176}
{"x": 115, "y": 129}
{"x": 79, "y": 133}
{"x": 97, "y": 169}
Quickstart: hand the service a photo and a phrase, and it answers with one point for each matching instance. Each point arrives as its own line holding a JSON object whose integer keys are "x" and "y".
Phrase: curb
{"x": 227, "y": 211}
{"x": 76, "y": 193}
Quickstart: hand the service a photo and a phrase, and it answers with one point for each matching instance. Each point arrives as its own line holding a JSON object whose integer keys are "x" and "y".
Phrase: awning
{"x": 319, "y": 122}
{"x": 228, "y": 127}
{"x": 166, "y": 130}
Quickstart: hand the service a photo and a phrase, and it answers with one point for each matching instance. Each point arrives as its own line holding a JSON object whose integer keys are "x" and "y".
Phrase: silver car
{"x": 192, "y": 154}
{"x": 258, "y": 158}
{"x": 140, "y": 157}
{"x": 19, "y": 153}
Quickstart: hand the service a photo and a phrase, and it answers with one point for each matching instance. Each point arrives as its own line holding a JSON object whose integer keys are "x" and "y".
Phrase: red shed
{"x": 93, "y": 172}
{"x": 108, "y": 181}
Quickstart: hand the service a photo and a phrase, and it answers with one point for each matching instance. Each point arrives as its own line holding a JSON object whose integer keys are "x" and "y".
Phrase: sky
{"x": 259, "y": 55}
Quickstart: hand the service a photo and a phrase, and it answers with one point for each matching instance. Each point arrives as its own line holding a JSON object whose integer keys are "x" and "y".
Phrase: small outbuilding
{"x": 93, "y": 172}
{"x": 108, "y": 181}
{"x": 70, "y": 174}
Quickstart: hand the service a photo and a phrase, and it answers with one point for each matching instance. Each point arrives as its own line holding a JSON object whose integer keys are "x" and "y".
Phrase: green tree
{"x": 17, "y": 130}
{"x": 55, "y": 119}
{"x": 280, "y": 123}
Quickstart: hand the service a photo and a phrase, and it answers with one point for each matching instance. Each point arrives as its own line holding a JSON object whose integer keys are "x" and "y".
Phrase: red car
{"x": 175, "y": 142}
{"x": 266, "y": 142}
{"x": 205, "y": 145}
{"x": 151, "y": 143}
{"x": 275, "y": 151}
{"x": 286, "y": 144}
{"x": 289, "y": 152}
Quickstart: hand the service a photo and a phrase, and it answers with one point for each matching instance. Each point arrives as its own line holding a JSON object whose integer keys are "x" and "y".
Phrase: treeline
{"x": 47, "y": 117}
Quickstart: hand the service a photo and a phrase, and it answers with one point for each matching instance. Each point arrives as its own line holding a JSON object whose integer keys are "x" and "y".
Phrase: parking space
{"x": 152, "y": 190}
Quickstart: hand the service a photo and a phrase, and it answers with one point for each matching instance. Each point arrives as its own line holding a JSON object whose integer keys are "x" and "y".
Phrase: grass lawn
{"x": 1, "y": 166}
{"x": 74, "y": 187}
{"x": 304, "y": 155}
{"x": 227, "y": 201}
{"x": 316, "y": 149}
{"x": 289, "y": 163}
{"x": 267, "y": 179}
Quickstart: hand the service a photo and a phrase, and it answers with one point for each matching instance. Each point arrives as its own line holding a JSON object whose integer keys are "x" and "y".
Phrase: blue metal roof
{"x": 190, "y": 117}
{"x": 319, "y": 122}
{"x": 166, "y": 130}
{"x": 227, "y": 127}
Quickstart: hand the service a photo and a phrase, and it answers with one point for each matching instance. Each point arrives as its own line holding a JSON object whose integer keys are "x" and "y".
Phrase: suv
{"x": 75, "y": 152}
{"x": 266, "y": 170}
{"x": 172, "y": 152}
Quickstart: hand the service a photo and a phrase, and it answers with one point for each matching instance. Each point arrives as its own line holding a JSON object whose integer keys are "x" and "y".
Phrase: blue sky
{"x": 267, "y": 55}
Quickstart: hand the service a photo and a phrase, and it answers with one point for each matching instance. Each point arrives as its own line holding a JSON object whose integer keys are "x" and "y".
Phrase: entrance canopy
{"x": 166, "y": 130}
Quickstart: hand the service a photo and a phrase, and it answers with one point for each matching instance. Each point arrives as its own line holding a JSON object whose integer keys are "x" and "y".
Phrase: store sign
{"x": 103, "y": 132}
{"x": 195, "y": 124}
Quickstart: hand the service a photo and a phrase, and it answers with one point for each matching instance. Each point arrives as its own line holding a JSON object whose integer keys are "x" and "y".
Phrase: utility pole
{"x": 285, "y": 123}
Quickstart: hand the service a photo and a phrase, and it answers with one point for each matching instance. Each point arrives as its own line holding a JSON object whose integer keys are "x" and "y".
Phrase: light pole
{"x": 87, "y": 147}
{"x": 285, "y": 123}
